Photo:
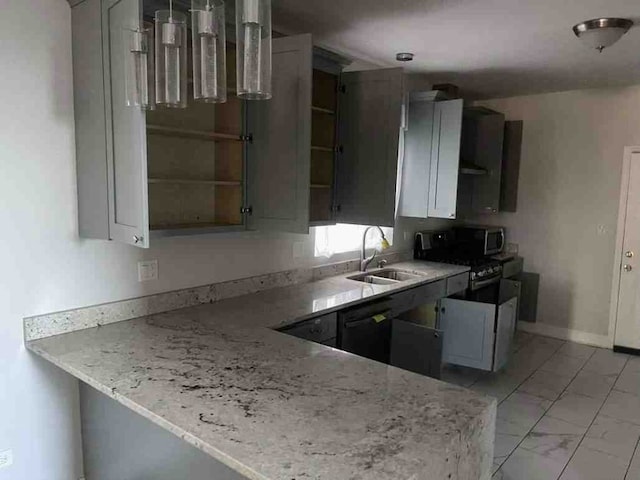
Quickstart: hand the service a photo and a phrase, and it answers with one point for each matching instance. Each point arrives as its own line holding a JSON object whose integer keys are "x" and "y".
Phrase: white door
{"x": 628, "y": 313}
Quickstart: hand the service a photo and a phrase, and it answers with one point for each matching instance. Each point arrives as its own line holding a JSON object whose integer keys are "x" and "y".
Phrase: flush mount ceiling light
{"x": 404, "y": 56}
{"x": 601, "y": 33}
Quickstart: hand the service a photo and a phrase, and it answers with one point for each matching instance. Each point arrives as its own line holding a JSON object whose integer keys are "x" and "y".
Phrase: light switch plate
{"x": 147, "y": 270}
{"x": 6, "y": 458}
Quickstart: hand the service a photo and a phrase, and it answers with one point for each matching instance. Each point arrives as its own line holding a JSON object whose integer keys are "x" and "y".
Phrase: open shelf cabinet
{"x": 323, "y": 146}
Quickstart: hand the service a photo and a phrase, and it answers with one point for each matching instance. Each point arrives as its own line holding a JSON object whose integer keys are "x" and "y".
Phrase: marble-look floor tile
{"x": 496, "y": 385}
{"x": 528, "y": 465}
{"x": 633, "y": 473}
{"x": 589, "y": 464}
{"x": 546, "y": 385}
{"x": 521, "y": 411}
{"x": 576, "y": 350}
{"x": 592, "y": 384}
{"x": 551, "y": 342}
{"x": 509, "y": 434}
{"x": 629, "y": 381}
{"x": 576, "y": 409}
{"x": 554, "y": 426}
{"x": 633, "y": 363}
{"x": 461, "y": 376}
{"x": 623, "y": 406}
{"x": 520, "y": 339}
{"x": 606, "y": 362}
{"x": 563, "y": 365}
{"x": 612, "y": 436}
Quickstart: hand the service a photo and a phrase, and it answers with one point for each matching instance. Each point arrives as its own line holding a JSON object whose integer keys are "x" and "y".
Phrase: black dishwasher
{"x": 365, "y": 330}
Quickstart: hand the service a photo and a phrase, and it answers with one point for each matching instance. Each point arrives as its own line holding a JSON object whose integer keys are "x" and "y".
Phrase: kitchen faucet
{"x": 365, "y": 261}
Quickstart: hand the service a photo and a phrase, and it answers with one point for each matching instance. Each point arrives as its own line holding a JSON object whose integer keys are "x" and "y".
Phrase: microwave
{"x": 484, "y": 240}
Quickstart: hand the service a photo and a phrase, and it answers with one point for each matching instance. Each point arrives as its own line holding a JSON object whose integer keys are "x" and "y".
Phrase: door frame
{"x": 620, "y": 231}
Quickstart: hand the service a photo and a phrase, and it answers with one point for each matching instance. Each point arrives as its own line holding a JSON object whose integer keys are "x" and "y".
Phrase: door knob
{"x": 628, "y": 254}
{"x": 627, "y": 268}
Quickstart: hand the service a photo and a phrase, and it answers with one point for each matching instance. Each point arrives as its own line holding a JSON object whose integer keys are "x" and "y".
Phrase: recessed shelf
{"x": 323, "y": 110}
{"x": 186, "y": 181}
{"x": 321, "y": 149}
{"x": 199, "y": 134}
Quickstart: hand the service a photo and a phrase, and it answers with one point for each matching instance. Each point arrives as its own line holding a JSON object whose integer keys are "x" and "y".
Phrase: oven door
{"x": 493, "y": 241}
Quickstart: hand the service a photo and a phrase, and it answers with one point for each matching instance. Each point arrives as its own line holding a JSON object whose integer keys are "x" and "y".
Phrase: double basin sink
{"x": 386, "y": 276}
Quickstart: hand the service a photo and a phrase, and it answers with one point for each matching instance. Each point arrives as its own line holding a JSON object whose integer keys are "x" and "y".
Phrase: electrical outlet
{"x": 6, "y": 458}
{"x": 147, "y": 270}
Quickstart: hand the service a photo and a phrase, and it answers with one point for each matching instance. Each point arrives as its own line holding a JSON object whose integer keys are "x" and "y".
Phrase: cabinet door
{"x": 126, "y": 131}
{"x": 445, "y": 159}
{"x": 279, "y": 156}
{"x": 416, "y": 348}
{"x": 504, "y": 332}
{"x": 468, "y": 330}
{"x": 512, "y": 149}
{"x": 370, "y": 105}
{"x": 416, "y": 164}
{"x": 488, "y": 154}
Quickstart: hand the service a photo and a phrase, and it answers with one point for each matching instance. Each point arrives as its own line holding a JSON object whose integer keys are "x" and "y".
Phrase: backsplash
{"x": 47, "y": 325}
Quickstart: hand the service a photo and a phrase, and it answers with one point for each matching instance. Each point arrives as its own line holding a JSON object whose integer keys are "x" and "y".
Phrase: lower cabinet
{"x": 416, "y": 348}
{"x": 477, "y": 335}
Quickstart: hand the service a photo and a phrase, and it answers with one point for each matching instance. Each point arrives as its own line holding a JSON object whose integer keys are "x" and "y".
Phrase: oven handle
{"x": 478, "y": 284}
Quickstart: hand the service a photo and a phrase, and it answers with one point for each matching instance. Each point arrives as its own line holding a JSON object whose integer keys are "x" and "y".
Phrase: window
{"x": 344, "y": 237}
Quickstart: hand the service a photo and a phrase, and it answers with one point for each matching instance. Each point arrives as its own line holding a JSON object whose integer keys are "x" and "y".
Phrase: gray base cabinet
{"x": 416, "y": 348}
{"x": 477, "y": 335}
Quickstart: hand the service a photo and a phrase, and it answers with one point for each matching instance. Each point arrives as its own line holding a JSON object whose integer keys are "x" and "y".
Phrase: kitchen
{"x": 96, "y": 281}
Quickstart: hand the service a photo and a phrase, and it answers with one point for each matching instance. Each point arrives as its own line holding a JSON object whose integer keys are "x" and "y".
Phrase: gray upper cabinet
{"x": 482, "y": 139}
{"x": 370, "y": 106}
{"x": 445, "y": 159}
{"x": 126, "y": 133}
{"x": 431, "y": 158}
{"x": 280, "y": 152}
{"x": 511, "y": 152}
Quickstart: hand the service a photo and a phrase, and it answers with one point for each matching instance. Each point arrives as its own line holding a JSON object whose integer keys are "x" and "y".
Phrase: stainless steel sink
{"x": 388, "y": 276}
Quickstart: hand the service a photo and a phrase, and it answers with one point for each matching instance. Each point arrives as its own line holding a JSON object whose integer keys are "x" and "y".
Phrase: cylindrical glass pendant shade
{"x": 139, "y": 69}
{"x": 171, "y": 59}
{"x": 209, "y": 54}
{"x": 253, "y": 47}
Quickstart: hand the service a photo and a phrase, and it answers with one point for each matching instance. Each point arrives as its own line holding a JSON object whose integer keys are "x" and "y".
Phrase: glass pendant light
{"x": 171, "y": 58}
{"x": 209, "y": 51}
{"x": 253, "y": 47}
{"x": 139, "y": 69}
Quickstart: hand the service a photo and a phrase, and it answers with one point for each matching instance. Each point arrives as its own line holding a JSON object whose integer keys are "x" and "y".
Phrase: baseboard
{"x": 627, "y": 350}
{"x": 593, "y": 339}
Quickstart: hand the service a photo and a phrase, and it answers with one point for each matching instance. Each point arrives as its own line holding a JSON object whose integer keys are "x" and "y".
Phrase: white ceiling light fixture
{"x": 601, "y": 33}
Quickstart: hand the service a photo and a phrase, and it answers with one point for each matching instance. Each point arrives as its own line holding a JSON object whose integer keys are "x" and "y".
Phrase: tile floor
{"x": 566, "y": 411}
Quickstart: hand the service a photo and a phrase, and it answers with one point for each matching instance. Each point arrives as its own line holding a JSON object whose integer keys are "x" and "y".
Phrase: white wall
{"x": 45, "y": 267}
{"x": 569, "y": 184}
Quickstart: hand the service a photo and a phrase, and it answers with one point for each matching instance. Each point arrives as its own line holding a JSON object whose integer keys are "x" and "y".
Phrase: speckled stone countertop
{"x": 277, "y": 407}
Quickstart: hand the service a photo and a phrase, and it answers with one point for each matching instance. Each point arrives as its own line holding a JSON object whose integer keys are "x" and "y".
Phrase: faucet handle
{"x": 382, "y": 263}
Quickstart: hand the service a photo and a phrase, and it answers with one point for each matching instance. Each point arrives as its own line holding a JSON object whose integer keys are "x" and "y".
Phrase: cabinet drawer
{"x": 320, "y": 329}
{"x": 457, "y": 284}
{"x": 418, "y": 296}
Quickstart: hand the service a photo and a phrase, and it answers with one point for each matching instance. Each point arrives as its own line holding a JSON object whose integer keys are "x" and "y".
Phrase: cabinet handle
{"x": 627, "y": 268}
{"x": 443, "y": 310}
{"x": 629, "y": 254}
{"x": 138, "y": 239}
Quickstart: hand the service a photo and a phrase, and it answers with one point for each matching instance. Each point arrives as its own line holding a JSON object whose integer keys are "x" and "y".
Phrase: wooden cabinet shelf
{"x": 328, "y": 111}
{"x": 187, "y": 181}
{"x": 318, "y": 185}
{"x": 199, "y": 134}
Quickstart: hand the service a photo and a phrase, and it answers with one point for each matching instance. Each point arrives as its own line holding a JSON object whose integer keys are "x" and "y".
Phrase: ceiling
{"x": 489, "y": 48}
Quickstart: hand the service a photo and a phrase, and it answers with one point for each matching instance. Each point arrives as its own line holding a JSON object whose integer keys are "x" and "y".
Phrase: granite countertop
{"x": 272, "y": 406}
